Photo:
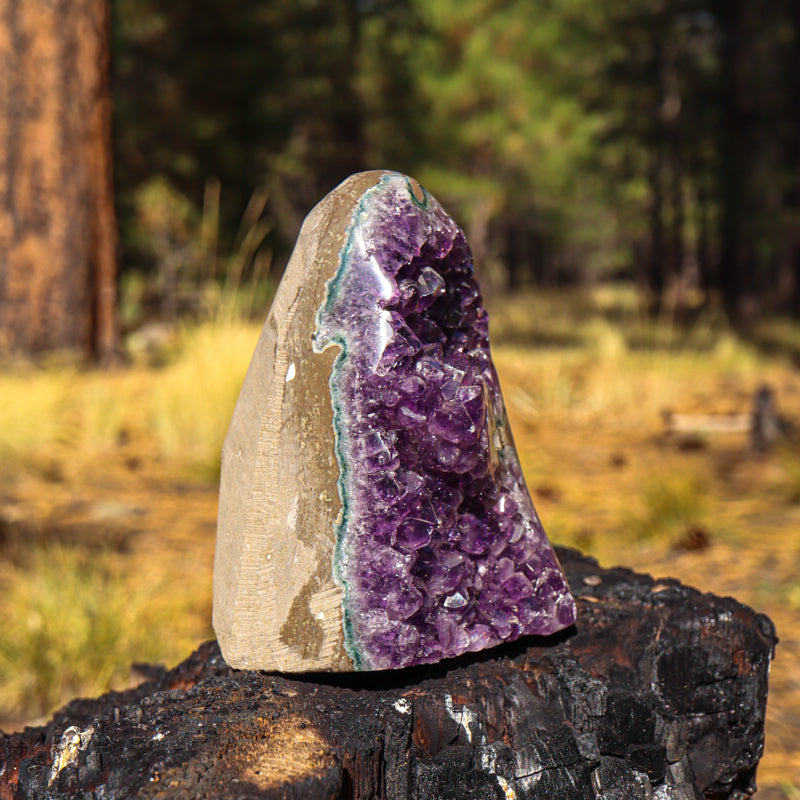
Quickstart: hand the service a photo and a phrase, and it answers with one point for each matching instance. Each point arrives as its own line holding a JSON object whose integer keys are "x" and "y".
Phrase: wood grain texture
{"x": 658, "y": 693}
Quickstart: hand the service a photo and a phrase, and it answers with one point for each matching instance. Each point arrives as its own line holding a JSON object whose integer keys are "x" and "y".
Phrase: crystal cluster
{"x": 439, "y": 549}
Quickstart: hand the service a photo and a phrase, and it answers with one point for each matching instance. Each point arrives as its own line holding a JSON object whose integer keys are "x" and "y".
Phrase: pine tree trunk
{"x": 793, "y": 153}
{"x": 746, "y": 166}
{"x": 657, "y": 262}
{"x": 58, "y": 229}
{"x": 656, "y": 267}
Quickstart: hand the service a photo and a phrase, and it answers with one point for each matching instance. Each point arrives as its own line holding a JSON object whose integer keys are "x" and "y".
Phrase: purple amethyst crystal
{"x": 439, "y": 549}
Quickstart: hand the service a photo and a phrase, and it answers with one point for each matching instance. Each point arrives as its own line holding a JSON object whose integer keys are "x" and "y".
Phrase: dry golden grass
{"x": 108, "y": 496}
{"x": 107, "y": 516}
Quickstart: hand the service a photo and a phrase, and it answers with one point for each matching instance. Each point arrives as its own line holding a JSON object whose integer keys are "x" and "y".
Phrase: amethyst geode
{"x": 439, "y": 549}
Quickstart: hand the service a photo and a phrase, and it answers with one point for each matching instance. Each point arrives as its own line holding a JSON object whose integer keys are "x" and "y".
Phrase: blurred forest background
{"x": 627, "y": 174}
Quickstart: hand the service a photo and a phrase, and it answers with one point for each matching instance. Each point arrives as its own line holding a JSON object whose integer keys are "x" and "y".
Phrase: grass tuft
{"x": 182, "y": 409}
{"x": 671, "y": 506}
{"x": 193, "y": 399}
{"x": 73, "y": 621}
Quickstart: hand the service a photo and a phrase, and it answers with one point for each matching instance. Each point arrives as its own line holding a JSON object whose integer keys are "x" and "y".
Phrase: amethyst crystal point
{"x": 439, "y": 549}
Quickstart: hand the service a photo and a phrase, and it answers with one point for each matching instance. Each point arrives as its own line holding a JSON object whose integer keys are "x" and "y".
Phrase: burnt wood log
{"x": 659, "y": 692}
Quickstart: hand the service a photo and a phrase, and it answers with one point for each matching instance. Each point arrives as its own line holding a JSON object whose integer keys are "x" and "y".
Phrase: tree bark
{"x": 348, "y": 116}
{"x": 792, "y": 164}
{"x": 656, "y": 267}
{"x": 658, "y": 693}
{"x": 657, "y": 262}
{"x": 677, "y": 250}
{"x": 58, "y": 233}
{"x": 746, "y": 163}
{"x": 708, "y": 278}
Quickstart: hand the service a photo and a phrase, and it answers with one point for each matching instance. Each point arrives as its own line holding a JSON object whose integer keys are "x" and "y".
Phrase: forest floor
{"x": 108, "y": 496}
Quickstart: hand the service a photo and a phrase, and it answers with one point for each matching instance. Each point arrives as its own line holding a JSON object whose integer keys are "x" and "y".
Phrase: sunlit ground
{"x": 108, "y": 495}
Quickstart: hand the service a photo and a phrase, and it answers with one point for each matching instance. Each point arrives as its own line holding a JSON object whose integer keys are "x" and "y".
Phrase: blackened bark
{"x": 658, "y": 692}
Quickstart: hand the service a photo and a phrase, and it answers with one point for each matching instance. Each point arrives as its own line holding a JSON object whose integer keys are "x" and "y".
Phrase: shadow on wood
{"x": 658, "y": 692}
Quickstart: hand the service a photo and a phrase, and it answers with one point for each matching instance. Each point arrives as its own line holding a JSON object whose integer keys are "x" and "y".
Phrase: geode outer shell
{"x": 373, "y": 513}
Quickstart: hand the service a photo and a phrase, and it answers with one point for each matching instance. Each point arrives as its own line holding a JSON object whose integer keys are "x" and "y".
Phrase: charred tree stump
{"x": 659, "y": 692}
